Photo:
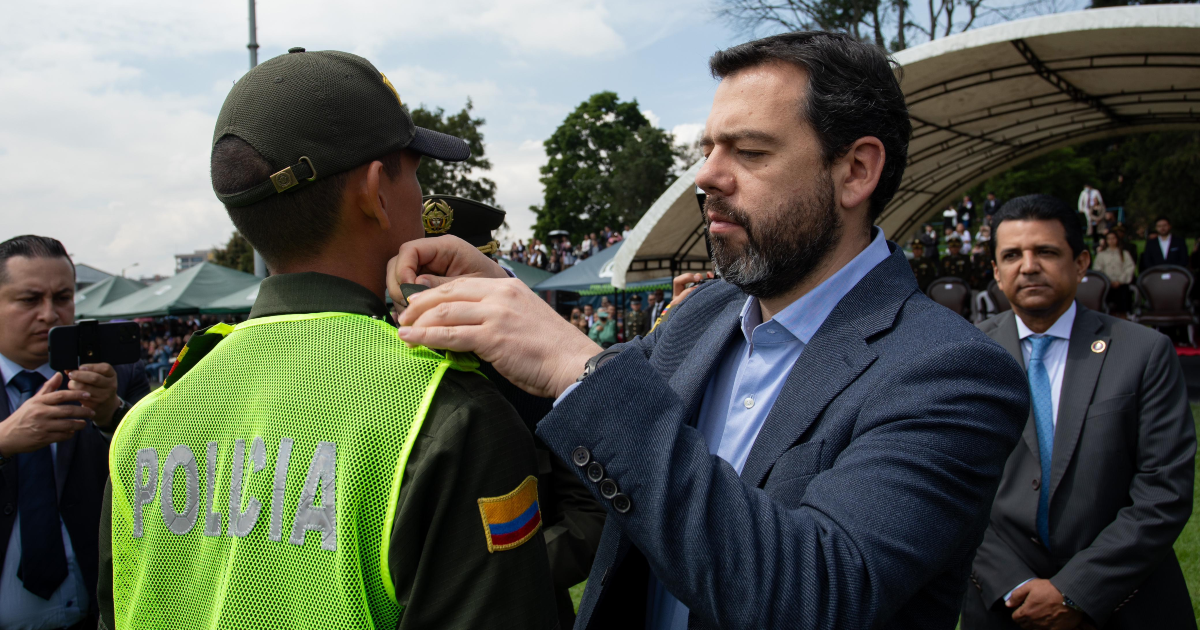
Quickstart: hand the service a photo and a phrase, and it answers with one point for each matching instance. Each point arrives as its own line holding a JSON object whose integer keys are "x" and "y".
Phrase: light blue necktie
{"x": 1043, "y": 417}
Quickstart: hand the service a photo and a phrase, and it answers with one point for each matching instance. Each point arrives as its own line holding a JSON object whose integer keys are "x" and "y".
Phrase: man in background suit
{"x": 807, "y": 442}
{"x": 1163, "y": 247}
{"x": 53, "y": 454}
{"x": 1100, "y": 487}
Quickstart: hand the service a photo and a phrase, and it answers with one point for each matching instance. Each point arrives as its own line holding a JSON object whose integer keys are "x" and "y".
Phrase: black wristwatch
{"x": 595, "y": 362}
{"x": 119, "y": 413}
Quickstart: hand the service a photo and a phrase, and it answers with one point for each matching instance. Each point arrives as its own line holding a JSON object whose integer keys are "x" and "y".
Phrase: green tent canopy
{"x": 96, "y": 296}
{"x": 593, "y": 276}
{"x": 239, "y": 301}
{"x": 184, "y": 294}
{"x": 529, "y": 275}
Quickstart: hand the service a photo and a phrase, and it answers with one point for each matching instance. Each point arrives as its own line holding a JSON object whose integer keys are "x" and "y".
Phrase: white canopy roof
{"x": 984, "y": 101}
{"x": 668, "y": 240}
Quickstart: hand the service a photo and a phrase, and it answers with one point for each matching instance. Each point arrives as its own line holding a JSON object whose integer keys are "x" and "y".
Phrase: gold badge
{"x": 392, "y": 88}
{"x": 284, "y": 180}
{"x": 1099, "y": 347}
{"x": 437, "y": 217}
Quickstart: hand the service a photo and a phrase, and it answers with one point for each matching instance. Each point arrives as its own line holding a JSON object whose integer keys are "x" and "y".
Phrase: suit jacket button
{"x": 609, "y": 489}
{"x": 8, "y": 509}
{"x": 595, "y": 472}
{"x": 581, "y": 457}
{"x": 1036, "y": 484}
{"x": 1034, "y": 540}
{"x": 622, "y": 504}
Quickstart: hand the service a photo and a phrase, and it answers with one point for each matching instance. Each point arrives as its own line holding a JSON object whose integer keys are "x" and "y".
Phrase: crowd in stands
{"x": 968, "y": 256}
{"x": 560, "y": 253}
{"x": 164, "y": 337}
{"x": 608, "y": 325}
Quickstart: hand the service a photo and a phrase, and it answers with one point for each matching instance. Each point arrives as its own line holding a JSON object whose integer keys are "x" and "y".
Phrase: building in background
{"x": 183, "y": 262}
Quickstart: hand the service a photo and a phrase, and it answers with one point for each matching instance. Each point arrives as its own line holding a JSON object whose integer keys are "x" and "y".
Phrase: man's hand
{"x": 504, "y": 323}
{"x": 438, "y": 260}
{"x": 680, "y": 288}
{"x": 46, "y": 418}
{"x": 1039, "y": 606}
{"x": 99, "y": 380}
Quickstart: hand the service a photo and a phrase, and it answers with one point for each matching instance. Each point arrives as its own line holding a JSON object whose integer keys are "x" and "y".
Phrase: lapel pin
{"x": 1098, "y": 346}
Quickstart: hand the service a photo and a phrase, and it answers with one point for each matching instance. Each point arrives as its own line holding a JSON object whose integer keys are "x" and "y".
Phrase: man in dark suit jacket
{"x": 809, "y": 442}
{"x": 1175, "y": 246}
{"x": 53, "y": 454}
{"x": 1100, "y": 487}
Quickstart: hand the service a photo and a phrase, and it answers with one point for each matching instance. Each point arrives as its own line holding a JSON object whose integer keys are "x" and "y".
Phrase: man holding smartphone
{"x": 53, "y": 447}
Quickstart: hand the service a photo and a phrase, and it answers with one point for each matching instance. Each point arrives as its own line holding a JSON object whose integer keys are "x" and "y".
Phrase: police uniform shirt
{"x": 472, "y": 445}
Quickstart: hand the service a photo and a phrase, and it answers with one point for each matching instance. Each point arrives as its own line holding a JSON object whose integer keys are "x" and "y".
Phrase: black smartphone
{"x": 89, "y": 341}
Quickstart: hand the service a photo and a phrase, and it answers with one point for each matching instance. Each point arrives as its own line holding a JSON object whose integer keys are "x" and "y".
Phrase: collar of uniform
{"x": 1061, "y": 328}
{"x": 311, "y": 292}
{"x": 10, "y": 368}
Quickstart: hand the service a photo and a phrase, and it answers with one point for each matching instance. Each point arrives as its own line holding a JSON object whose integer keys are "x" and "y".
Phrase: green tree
{"x": 456, "y": 178}
{"x": 1148, "y": 175}
{"x": 607, "y": 164}
{"x": 1061, "y": 173}
{"x": 237, "y": 254}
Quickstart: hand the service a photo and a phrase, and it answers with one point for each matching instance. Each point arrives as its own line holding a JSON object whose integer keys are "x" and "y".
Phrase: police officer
{"x": 572, "y": 520}
{"x": 305, "y": 469}
{"x": 956, "y": 263}
{"x": 923, "y": 267}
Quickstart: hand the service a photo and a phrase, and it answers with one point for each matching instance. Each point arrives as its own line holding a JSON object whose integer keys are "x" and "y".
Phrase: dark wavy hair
{"x": 852, "y": 93}
{"x": 30, "y": 246}
{"x": 1042, "y": 208}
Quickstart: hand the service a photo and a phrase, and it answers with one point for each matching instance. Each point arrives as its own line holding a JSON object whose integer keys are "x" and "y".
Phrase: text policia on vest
{"x": 307, "y": 517}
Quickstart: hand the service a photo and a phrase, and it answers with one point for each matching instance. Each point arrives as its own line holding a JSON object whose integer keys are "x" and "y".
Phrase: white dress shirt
{"x": 1056, "y": 354}
{"x": 20, "y": 609}
{"x": 1164, "y": 244}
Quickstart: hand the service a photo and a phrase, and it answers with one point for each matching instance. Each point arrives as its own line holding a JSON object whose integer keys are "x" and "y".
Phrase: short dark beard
{"x": 783, "y": 248}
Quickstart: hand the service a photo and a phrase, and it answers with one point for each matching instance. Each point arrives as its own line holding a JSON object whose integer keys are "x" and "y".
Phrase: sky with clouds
{"x": 108, "y": 108}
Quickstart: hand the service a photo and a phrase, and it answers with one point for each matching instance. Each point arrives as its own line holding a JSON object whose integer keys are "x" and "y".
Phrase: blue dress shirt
{"x": 20, "y": 609}
{"x": 748, "y": 380}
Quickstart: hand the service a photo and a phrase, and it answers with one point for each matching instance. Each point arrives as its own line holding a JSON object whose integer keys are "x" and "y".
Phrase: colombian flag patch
{"x": 511, "y": 520}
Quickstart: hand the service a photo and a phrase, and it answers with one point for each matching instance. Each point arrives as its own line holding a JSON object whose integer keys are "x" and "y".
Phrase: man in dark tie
{"x": 53, "y": 454}
{"x": 1099, "y": 488}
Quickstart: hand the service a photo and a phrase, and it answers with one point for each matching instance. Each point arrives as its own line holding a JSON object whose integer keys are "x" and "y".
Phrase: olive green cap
{"x": 316, "y": 114}
{"x": 467, "y": 219}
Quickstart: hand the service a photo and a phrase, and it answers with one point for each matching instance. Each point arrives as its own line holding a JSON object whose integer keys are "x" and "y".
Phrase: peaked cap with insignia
{"x": 467, "y": 219}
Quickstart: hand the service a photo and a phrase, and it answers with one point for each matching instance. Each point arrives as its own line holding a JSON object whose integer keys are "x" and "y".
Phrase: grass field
{"x": 1187, "y": 547}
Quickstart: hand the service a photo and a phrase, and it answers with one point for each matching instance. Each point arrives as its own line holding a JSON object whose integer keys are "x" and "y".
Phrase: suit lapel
{"x": 829, "y": 363}
{"x": 836, "y": 355}
{"x": 1079, "y": 382}
{"x": 691, "y": 378}
{"x": 3, "y": 417}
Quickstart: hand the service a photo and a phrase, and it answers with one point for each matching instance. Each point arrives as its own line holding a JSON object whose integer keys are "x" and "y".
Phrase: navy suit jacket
{"x": 81, "y": 471}
{"x": 863, "y": 498}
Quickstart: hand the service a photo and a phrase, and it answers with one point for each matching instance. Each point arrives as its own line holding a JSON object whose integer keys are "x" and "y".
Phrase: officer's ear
{"x": 368, "y": 198}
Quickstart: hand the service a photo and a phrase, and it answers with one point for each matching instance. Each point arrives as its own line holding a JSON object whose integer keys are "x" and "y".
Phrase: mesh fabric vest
{"x": 306, "y": 421}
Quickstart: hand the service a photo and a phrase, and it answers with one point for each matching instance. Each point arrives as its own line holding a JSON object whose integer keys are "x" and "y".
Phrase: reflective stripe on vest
{"x": 260, "y": 489}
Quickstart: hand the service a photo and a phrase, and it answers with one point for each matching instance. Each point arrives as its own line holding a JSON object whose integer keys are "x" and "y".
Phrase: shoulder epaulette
{"x": 198, "y": 347}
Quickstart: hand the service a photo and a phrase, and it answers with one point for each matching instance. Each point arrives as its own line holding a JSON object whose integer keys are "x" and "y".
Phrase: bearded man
{"x": 808, "y": 442}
